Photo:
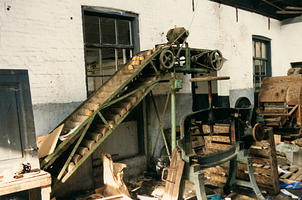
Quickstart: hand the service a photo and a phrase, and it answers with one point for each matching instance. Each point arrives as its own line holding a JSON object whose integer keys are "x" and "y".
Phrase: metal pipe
{"x": 149, "y": 134}
{"x": 210, "y": 93}
{"x": 173, "y": 114}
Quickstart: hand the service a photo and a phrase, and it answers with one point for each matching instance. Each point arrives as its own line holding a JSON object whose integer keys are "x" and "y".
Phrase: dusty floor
{"x": 144, "y": 187}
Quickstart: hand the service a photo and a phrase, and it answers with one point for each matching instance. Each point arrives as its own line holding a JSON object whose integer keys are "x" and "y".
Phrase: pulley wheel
{"x": 166, "y": 59}
{"x": 210, "y": 78}
{"x": 216, "y": 60}
{"x": 242, "y": 102}
{"x": 258, "y": 132}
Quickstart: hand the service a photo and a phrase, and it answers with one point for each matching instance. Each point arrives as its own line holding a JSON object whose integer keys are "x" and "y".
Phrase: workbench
{"x": 29, "y": 181}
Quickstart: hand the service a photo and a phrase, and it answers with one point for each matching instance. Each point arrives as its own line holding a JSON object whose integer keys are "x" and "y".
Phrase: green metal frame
{"x": 175, "y": 85}
{"x": 61, "y": 180}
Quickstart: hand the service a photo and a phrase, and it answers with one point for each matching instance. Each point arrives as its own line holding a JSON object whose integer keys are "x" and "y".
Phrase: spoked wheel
{"x": 216, "y": 60}
{"x": 166, "y": 59}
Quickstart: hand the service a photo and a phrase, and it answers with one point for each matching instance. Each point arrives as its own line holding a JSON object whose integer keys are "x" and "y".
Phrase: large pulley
{"x": 209, "y": 59}
{"x": 216, "y": 60}
{"x": 166, "y": 59}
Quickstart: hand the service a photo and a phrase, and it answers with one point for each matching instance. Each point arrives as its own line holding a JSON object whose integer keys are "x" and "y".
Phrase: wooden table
{"x": 30, "y": 181}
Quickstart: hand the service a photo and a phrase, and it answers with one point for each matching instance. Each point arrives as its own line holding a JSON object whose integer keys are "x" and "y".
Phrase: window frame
{"x": 117, "y": 15}
{"x": 267, "y": 42}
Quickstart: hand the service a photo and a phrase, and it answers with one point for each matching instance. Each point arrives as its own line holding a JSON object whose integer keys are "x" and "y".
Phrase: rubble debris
{"x": 287, "y": 150}
{"x": 115, "y": 187}
{"x": 287, "y": 193}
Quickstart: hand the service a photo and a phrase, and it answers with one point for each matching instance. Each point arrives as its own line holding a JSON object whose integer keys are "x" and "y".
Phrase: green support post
{"x": 175, "y": 86}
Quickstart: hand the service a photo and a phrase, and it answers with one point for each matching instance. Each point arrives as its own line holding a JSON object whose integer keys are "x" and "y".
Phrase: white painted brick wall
{"x": 41, "y": 36}
{"x": 291, "y": 43}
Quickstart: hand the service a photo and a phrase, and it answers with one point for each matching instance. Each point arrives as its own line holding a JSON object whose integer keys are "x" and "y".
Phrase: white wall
{"x": 292, "y": 42}
{"x": 46, "y": 38}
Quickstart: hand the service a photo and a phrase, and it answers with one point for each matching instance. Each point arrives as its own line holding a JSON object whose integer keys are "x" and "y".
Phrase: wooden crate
{"x": 264, "y": 162}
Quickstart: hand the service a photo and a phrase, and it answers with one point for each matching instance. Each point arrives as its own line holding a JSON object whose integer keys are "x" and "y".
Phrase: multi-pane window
{"x": 261, "y": 60}
{"x": 109, "y": 44}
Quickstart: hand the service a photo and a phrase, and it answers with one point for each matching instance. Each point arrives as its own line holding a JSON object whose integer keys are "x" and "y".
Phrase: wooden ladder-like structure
{"x": 108, "y": 107}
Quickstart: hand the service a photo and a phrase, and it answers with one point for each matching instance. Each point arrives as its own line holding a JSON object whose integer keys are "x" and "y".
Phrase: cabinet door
{"x": 17, "y": 133}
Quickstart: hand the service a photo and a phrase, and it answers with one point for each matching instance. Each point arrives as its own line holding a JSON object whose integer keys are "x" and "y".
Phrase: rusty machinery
{"x": 279, "y": 101}
{"x": 244, "y": 126}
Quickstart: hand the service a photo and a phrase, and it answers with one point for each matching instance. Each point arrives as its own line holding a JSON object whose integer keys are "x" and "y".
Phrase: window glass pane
{"x": 257, "y": 83}
{"x": 254, "y": 43}
{"x": 120, "y": 61}
{"x": 108, "y": 30}
{"x": 92, "y": 30}
{"x": 263, "y": 68}
{"x": 257, "y": 67}
{"x": 93, "y": 61}
{"x": 126, "y": 55}
{"x": 123, "y": 32}
{"x": 108, "y": 61}
{"x": 258, "y": 52}
{"x": 94, "y": 83}
{"x": 263, "y": 49}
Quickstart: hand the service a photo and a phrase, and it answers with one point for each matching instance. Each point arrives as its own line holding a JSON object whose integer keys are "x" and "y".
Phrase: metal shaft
{"x": 210, "y": 93}
{"x": 173, "y": 116}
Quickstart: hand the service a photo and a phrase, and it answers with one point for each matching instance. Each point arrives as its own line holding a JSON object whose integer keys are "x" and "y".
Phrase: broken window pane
{"x": 108, "y": 31}
{"x": 123, "y": 27}
{"x": 92, "y": 29}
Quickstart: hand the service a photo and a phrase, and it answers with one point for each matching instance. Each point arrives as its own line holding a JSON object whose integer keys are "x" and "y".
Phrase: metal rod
{"x": 210, "y": 93}
{"x": 173, "y": 115}
{"x": 160, "y": 124}
{"x": 149, "y": 134}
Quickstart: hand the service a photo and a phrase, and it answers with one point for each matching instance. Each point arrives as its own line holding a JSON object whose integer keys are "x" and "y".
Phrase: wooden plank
{"x": 217, "y": 138}
{"x": 296, "y": 175}
{"x": 214, "y": 147}
{"x": 260, "y": 152}
{"x": 174, "y": 176}
{"x": 30, "y": 181}
{"x": 299, "y": 178}
{"x": 264, "y": 144}
{"x": 47, "y": 143}
{"x": 292, "y": 170}
{"x": 259, "y": 179}
{"x": 218, "y": 128}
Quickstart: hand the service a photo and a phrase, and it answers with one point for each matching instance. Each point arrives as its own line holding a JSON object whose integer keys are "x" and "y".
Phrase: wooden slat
{"x": 213, "y": 147}
{"x": 260, "y": 152}
{"x": 218, "y": 138}
{"x": 263, "y": 158}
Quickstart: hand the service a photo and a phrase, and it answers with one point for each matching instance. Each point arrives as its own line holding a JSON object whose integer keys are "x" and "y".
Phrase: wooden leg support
{"x": 45, "y": 192}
